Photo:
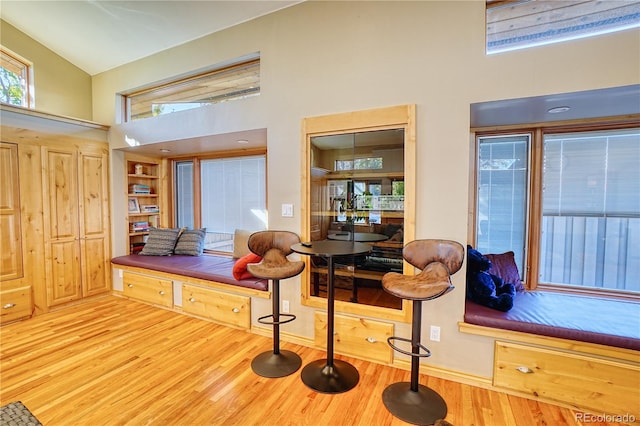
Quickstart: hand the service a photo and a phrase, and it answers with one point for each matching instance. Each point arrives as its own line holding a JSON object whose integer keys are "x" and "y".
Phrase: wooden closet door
{"x": 94, "y": 221}
{"x": 61, "y": 228}
{"x": 11, "y": 266}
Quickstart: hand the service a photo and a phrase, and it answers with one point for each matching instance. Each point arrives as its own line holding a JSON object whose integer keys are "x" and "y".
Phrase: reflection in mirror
{"x": 357, "y": 193}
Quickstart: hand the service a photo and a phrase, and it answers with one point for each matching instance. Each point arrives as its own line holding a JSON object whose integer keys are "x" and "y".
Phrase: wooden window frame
{"x": 534, "y": 216}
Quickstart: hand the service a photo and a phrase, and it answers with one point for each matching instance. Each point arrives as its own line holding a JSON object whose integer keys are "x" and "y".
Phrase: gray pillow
{"x": 161, "y": 241}
{"x": 191, "y": 242}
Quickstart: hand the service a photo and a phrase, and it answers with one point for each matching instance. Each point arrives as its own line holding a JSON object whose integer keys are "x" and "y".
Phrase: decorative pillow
{"x": 191, "y": 242}
{"x": 240, "y": 268}
{"x": 241, "y": 243}
{"x": 504, "y": 266}
{"x": 161, "y": 241}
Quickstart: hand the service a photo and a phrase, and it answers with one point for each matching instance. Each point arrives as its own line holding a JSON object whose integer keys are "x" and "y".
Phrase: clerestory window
{"x": 519, "y": 24}
{"x": 238, "y": 81}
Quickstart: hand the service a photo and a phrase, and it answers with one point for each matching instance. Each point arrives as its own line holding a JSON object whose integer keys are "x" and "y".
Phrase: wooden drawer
{"x": 578, "y": 379}
{"x": 15, "y": 304}
{"x": 148, "y": 289}
{"x": 359, "y": 337}
{"x": 225, "y": 308}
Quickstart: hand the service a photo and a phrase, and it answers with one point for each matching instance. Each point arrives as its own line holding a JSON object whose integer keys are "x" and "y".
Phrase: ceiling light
{"x": 557, "y": 110}
{"x": 165, "y": 150}
{"x": 242, "y": 141}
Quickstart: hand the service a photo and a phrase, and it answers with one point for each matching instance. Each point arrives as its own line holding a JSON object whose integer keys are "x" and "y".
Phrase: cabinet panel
{"x": 15, "y": 304}
{"x": 11, "y": 266}
{"x": 94, "y": 222}
{"x": 148, "y": 289}
{"x": 581, "y": 380}
{"x": 219, "y": 306}
{"x": 359, "y": 337}
{"x": 62, "y": 241}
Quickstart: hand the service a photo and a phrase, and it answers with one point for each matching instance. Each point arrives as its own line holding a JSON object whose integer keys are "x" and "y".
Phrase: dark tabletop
{"x": 365, "y": 237}
{"x": 329, "y": 248}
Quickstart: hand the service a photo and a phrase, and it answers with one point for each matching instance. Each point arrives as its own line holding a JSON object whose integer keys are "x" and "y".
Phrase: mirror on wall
{"x": 359, "y": 176}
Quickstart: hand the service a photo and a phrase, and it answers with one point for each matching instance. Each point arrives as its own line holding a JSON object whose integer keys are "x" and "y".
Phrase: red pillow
{"x": 504, "y": 266}
{"x": 240, "y": 268}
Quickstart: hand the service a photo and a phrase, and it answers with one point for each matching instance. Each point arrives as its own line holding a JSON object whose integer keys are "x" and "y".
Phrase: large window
{"x": 574, "y": 208}
{"x": 221, "y": 195}
{"x": 15, "y": 73}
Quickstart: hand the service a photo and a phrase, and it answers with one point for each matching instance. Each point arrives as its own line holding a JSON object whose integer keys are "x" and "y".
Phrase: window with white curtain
{"x": 591, "y": 210}
{"x": 232, "y": 196}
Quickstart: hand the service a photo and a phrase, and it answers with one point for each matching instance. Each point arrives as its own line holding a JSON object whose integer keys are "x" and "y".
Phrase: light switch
{"x": 287, "y": 210}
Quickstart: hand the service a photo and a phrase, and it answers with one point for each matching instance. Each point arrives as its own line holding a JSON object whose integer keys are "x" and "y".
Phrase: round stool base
{"x": 271, "y": 365}
{"x": 423, "y": 407}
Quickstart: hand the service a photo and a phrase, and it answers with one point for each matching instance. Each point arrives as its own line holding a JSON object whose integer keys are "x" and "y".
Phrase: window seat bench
{"x": 201, "y": 286}
{"x": 205, "y": 267}
{"x": 609, "y": 322}
{"x": 575, "y": 351}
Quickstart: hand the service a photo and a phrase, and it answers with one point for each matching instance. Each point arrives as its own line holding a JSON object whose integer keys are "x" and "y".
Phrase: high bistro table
{"x": 363, "y": 237}
{"x": 327, "y": 375}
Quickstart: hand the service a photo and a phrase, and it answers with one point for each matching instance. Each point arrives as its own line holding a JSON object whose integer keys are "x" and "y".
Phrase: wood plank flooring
{"x": 117, "y": 362}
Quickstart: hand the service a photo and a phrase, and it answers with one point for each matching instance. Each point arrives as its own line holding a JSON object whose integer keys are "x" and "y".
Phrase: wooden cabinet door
{"x": 61, "y": 229}
{"x": 11, "y": 266}
{"x": 93, "y": 192}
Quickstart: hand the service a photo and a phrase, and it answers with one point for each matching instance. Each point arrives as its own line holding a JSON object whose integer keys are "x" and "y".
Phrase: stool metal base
{"x": 423, "y": 407}
{"x": 337, "y": 378}
{"x": 269, "y": 364}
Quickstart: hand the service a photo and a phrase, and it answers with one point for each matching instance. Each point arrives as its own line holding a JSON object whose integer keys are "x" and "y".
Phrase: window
{"x": 587, "y": 192}
{"x": 15, "y": 75}
{"x": 371, "y": 163}
{"x": 231, "y": 195}
{"x": 515, "y": 25}
{"x": 501, "y": 214}
{"x": 587, "y": 231}
{"x": 590, "y": 230}
{"x": 234, "y": 82}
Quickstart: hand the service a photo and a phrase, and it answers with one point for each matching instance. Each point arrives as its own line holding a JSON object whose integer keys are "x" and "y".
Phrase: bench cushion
{"x": 610, "y": 322}
{"x": 206, "y": 267}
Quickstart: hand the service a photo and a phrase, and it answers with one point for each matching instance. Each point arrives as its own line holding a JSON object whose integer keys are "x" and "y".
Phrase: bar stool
{"x": 274, "y": 247}
{"x": 437, "y": 260}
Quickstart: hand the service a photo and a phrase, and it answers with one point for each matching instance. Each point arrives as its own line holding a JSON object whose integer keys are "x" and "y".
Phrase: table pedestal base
{"x": 324, "y": 378}
{"x": 423, "y": 407}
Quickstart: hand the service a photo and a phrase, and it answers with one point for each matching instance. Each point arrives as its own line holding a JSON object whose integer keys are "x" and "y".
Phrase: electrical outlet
{"x": 285, "y": 306}
{"x": 435, "y": 333}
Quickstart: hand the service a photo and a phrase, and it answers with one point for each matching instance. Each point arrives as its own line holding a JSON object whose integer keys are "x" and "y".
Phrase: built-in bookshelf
{"x": 143, "y": 202}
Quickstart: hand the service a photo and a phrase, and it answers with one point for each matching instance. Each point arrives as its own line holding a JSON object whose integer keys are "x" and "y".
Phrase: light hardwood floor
{"x": 114, "y": 362}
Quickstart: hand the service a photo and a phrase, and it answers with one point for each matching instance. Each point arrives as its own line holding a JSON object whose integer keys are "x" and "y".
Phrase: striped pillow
{"x": 191, "y": 242}
{"x": 161, "y": 241}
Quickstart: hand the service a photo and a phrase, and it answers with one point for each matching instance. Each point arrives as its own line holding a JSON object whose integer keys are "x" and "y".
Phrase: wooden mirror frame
{"x": 397, "y": 117}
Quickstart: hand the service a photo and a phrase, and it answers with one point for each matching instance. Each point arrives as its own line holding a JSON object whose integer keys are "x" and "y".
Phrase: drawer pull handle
{"x": 192, "y": 299}
{"x": 161, "y": 292}
{"x": 130, "y": 285}
{"x": 9, "y": 306}
{"x": 236, "y": 310}
{"x": 525, "y": 370}
{"x": 371, "y": 339}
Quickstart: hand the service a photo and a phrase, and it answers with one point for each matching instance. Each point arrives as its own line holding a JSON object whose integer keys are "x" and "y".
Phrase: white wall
{"x": 328, "y": 57}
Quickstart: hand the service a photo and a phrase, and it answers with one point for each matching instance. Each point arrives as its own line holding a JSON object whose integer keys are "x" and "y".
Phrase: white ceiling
{"x": 98, "y": 35}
